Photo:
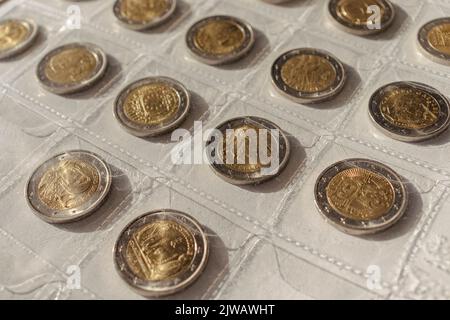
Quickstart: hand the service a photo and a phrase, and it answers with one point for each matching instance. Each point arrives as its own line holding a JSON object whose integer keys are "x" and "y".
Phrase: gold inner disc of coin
{"x": 439, "y": 38}
{"x": 357, "y": 12}
{"x": 71, "y": 66}
{"x": 308, "y": 73}
{"x": 152, "y": 104}
{"x": 219, "y": 37}
{"x": 360, "y": 194}
{"x": 160, "y": 251}
{"x": 141, "y": 11}
{"x": 246, "y": 141}
{"x": 12, "y": 34}
{"x": 68, "y": 184}
{"x": 410, "y": 108}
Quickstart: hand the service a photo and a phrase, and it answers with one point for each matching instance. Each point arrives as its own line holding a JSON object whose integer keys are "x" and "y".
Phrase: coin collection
{"x": 164, "y": 251}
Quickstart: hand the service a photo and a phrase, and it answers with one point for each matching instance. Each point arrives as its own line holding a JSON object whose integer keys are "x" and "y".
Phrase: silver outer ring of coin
{"x": 166, "y": 287}
{"x": 70, "y": 215}
{"x": 308, "y": 97}
{"x": 404, "y": 134}
{"x": 249, "y": 41}
{"x": 426, "y": 48}
{"x": 33, "y": 32}
{"x": 240, "y": 178}
{"x": 352, "y": 226}
{"x": 130, "y": 24}
{"x": 152, "y": 130}
{"x": 386, "y": 22}
{"x": 101, "y": 66}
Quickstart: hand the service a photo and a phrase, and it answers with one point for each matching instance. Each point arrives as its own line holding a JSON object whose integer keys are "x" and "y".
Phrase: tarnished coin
{"x": 16, "y": 36}
{"x": 72, "y": 68}
{"x": 161, "y": 252}
{"x": 308, "y": 75}
{"x": 220, "y": 39}
{"x": 434, "y": 40}
{"x": 68, "y": 187}
{"x": 362, "y": 17}
{"x": 360, "y": 196}
{"x": 143, "y": 14}
{"x": 247, "y": 150}
{"x": 409, "y": 111}
{"x": 152, "y": 106}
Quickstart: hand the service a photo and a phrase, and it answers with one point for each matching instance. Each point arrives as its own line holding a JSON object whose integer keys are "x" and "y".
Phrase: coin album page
{"x": 267, "y": 241}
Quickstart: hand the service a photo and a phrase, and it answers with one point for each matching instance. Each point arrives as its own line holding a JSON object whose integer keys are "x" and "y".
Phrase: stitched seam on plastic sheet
{"x": 237, "y": 267}
{"x": 53, "y": 140}
{"x": 421, "y": 233}
{"x": 209, "y": 197}
{"x": 30, "y": 252}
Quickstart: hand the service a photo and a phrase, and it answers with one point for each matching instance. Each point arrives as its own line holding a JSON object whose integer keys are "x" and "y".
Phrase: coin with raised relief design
{"x": 308, "y": 75}
{"x": 144, "y": 14}
{"x": 220, "y": 39}
{"x": 409, "y": 111}
{"x": 248, "y": 150}
{"x": 152, "y": 106}
{"x": 359, "y": 196}
{"x": 72, "y": 68}
{"x": 434, "y": 40}
{"x": 362, "y": 17}
{"x": 16, "y": 36}
{"x": 68, "y": 187}
{"x": 161, "y": 252}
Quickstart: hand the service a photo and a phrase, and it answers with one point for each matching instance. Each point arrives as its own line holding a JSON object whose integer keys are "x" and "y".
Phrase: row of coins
{"x": 406, "y": 111}
{"x": 164, "y": 251}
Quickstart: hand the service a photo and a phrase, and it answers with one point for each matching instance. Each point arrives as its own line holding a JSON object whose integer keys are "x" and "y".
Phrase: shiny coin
{"x": 220, "y": 39}
{"x": 68, "y": 187}
{"x": 410, "y": 111}
{"x": 434, "y": 40}
{"x": 161, "y": 252}
{"x": 308, "y": 75}
{"x": 362, "y": 17}
{"x": 152, "y": 106}
{"x": 72, "y": 68}
{"x": 248, "y": 150}
{"x": 144, "y": 14}
{"x": 360, "y": 196}
{"x": 16, "y": 36}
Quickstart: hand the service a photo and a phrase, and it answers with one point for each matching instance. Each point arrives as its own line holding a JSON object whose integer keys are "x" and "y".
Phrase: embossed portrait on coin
{"x": 143, "y": 10}
{"x": 68, "y": 185}
{"x": 71, "y": 66}
{"x": 246, "y": 139}
{"x": 219, "y": 37}
{"x": 12, "y": 33}
{"x": 360, "y": 194}
{"x": 439, "y": 38}
{"x": 308, "y": 73}
{"x": 356, "y": 11}
{"x": 410, "y": 109}
{"x": 152, "y": 104}
{"x": 160, "y": 251}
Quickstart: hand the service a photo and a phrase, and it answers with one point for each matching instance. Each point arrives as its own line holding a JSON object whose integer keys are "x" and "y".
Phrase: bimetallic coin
{"x": 152, "y": 106}
{"x": 248, "y": 150}
{"x": 434, "y": 40}
{"x": 16, "y": 36}
{"x": 308, "y": 75}
{"x": 72, "y": 68}
{"x": 220, "y": 39}
{"x": 161, "y": 252}
{"x": 68, "y": 187}
{"x": 144, "y": 14}
{"x": 360, "y": 196}
{"x": 360, "y": 17}
{"x": 410, "y": 111}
